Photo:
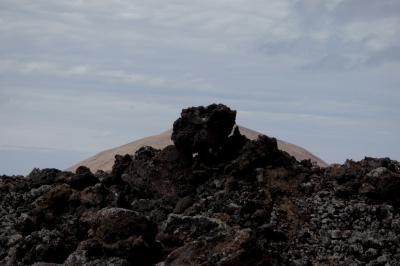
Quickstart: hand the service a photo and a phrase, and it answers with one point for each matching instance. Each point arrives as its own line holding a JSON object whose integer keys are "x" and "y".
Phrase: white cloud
{"x": 72, "y": 72}
{"x": 105, "y": 75}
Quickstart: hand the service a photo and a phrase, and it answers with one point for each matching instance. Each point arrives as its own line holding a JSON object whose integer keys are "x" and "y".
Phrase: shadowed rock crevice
{"x": 213, "y": 198}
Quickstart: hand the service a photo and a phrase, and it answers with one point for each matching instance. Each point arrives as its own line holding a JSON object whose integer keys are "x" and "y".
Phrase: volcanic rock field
{"x": 213, "y": 198}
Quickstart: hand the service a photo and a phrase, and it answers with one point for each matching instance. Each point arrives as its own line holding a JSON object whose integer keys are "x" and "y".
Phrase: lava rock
{"x": 120, "y": 164}
{"x": 82, "y": 179}
{"x": 44, "y": 176}
{"x": 126, "y": 234}
{"x": 145, "y": 153}
{"x": 202, "y": 128}
{"x": 235, "y": 202}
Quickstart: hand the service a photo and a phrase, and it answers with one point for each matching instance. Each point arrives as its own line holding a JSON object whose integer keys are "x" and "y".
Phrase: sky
{"x": 78, "y": 77}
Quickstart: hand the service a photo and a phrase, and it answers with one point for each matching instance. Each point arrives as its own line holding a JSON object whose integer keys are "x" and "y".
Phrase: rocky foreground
{"x": 213, "y": 198}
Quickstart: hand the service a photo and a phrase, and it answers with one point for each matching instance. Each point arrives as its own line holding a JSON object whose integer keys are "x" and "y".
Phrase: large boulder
{"x": 43, "y": 177}
{"x": 82, "y": 179}
{"x": 201, "y": 128}
{"x": 126, "y": 234}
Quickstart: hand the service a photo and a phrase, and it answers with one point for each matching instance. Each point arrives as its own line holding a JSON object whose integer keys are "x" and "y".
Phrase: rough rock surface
{"x": 237, "y": 202}
{"x": 202, "y": 128}
{"x": 104, "y": 160}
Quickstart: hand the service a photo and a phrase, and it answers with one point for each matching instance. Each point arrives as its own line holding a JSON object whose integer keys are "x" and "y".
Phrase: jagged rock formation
{"x": 105, "y": 160}
{"x": 236, "y": 202}
{"x": 202, "y": 128}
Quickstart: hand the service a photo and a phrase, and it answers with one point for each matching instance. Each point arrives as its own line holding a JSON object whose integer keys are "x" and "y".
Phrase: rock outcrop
{"x": 214, "y": 198}
{"x": 202, "y": 128}
{"x": 104, "y": 160}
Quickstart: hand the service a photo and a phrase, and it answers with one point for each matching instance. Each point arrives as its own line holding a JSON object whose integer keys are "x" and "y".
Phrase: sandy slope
{"x": 105, "y": 159}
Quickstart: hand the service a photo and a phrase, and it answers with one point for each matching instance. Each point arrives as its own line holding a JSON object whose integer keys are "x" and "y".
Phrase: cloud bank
{"x": 82, "y": 76}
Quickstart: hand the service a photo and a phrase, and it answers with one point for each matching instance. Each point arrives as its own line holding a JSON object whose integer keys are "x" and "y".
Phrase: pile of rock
{"x": 213, "y": 198}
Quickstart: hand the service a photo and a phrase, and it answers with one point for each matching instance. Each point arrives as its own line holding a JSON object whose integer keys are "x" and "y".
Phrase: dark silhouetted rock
{"x": 124, "y": 233}
{"x": 146, "y": 153}
{"x": 83, "y": 178}
{"x": 201, "y": 128}
{"x": 121, "y": 163}
{"x": 44, "y": 176}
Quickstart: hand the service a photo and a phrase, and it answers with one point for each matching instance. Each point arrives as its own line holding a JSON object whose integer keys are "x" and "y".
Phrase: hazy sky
{"x": 77, "y": 77}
